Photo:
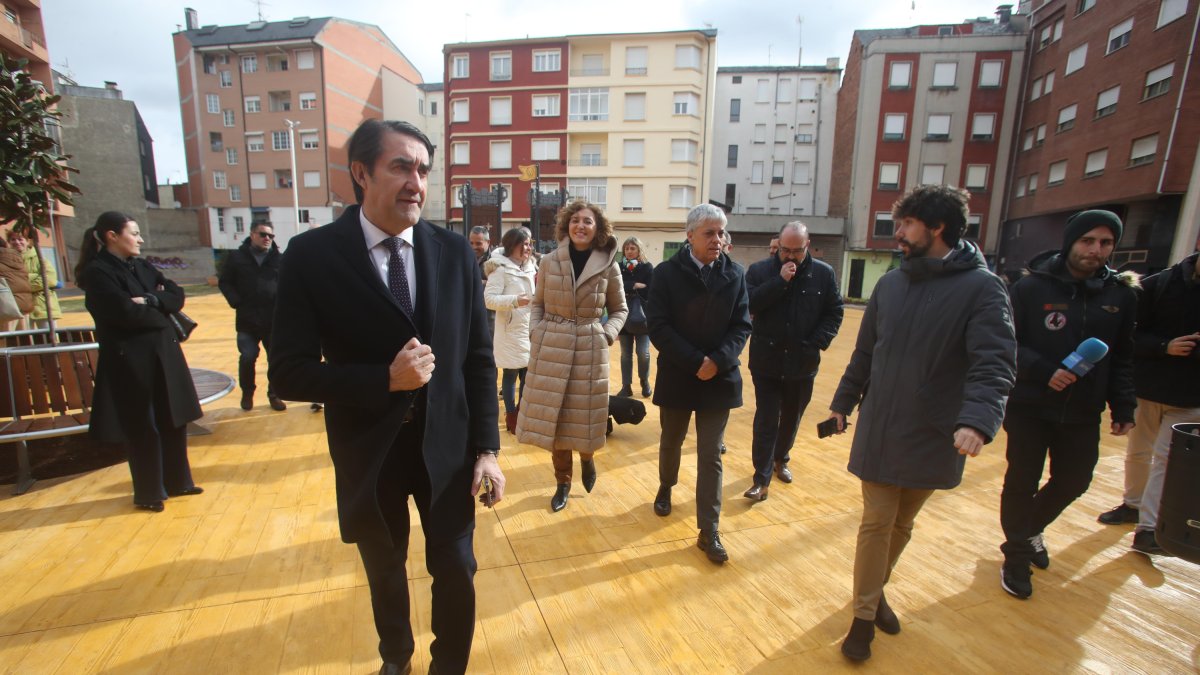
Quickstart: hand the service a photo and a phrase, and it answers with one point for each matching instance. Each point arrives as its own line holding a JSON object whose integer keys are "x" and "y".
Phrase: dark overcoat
{"x": 250, "y": 288}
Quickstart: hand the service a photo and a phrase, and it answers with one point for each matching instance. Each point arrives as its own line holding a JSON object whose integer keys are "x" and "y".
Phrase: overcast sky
{"x": 129, "y": 41}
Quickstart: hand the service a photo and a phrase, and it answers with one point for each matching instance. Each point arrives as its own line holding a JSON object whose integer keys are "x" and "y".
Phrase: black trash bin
{"x": 1178, "y": 530}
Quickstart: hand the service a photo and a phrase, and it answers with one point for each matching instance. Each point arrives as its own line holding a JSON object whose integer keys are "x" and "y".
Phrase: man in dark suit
{"x": 381, "y": 293}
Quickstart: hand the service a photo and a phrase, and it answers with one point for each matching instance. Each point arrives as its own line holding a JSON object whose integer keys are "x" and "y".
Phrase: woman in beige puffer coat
{"x": 565, "y": 406}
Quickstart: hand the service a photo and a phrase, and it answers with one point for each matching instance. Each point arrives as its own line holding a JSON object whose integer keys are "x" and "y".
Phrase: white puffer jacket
{"x": 507, "y": 281}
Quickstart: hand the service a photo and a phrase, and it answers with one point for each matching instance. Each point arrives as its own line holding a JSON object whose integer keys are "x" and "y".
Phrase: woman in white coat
{"x": 509, "y": 292}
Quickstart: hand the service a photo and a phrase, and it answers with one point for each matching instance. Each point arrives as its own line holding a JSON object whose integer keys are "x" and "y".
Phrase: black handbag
{"x": 183, "y": 325}
{"x": 635, "y": 321}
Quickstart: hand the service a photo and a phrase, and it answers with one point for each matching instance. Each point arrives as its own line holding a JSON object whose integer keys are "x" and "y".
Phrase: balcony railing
{"x": 589, "y": 72}
{"x": 588, "y": 161}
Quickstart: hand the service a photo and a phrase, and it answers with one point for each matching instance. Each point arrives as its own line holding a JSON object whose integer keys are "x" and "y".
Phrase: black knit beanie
{"x": 1085, "y": 221}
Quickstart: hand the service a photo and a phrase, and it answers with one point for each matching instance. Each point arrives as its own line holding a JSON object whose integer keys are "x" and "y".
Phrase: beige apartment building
{"x": 253, "y": 96}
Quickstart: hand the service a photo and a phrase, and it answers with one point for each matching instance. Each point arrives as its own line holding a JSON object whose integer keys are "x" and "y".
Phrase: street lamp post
{"x": 292, "y": 124}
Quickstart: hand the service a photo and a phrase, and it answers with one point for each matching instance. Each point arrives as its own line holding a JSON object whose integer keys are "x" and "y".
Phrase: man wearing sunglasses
{"x": 248, "y": 281}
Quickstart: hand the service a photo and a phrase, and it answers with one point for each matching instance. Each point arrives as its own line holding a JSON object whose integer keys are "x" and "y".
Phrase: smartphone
{"x": 829, "y": 427}
{"x": 487, "y": 493}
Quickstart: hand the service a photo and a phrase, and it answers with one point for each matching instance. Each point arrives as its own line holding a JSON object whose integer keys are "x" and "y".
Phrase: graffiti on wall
{"x": 175, "y": 263}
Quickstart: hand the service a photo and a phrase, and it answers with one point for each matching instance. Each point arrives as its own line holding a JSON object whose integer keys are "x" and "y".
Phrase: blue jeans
{"x": 247, "y": 344}
{"x": 507, "y": 384}
{"x": 643, "y": 353}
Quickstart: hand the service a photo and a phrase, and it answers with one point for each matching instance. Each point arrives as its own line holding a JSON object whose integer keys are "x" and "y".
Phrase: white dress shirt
{"x": 380, "y": 253}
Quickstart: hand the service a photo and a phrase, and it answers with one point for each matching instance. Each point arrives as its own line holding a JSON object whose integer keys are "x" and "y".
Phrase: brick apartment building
{"x": 241, "y": 86}
{"x": 1109, "y": 121}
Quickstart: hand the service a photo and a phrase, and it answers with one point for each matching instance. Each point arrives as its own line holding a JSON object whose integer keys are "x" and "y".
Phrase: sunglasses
{"x": 264, "y": 235}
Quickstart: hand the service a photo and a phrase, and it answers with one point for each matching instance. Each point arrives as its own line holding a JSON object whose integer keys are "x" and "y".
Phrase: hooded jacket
{"x": 506, "y": 281}
{"x": 1054, "y": 313}
{"x": 1168, "y": 307}
{"x": 936, "y": 345}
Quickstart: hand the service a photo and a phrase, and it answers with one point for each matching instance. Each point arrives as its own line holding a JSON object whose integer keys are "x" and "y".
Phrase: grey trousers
{"x": 710, "y": 432}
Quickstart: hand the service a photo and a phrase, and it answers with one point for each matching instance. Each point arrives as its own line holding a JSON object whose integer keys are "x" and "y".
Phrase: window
{"x": 889, "y": 176}
{"x": 589, "y": 155}
{"x": 1158, "y": 81}
{"x": 1045, "y": 37}
{"x": 1106, "y": 101}
{"x": 634, "y": 150}
{"x": 460, "y": 153}
{"x": 595, "y": 190}
{"x": 220, "y": 220}
{"x": 501, "y": 66}
{"x": 1058, "y": 30}
{"x": 308, "y": 100}
{"x": 1085, "y": 5}
{"x": 228, "y": 117}
{"x": 687, "y": 103}
{"x": 937, "y": 128}
{"x": 808, "y": 90}
{"x": 226, "y": 79}
{"x": 231, "y": 156}
{"x": 258, "y": 181}
{"x": 944, "y": 75}
{"x": 460, "y": 66}
{"x": 593, "y": 64}
{"x": 235, "y": 195}
{"x": 777, "y": 173}
{"x": 1041, "y": 135}
{"x": 990, "y": 73}
{"x": 545, "y": 105}
{"x": 210, "y": 62}
{"x": 277, "y": 63}
{"x": 631, "y": 198}
{"x": 280, "y": 140}
{"x": 760, "y": 133}
{"x": 304, "y": 216}
{"x": 1094, "y": 165}
{"x": 781, "y": 133}
{"x": 983, "y": 126}
{"x": 687, "y": 56}
{"x": 801, "y": 173}
{"x": 545, "y": 149}
{"x": 731, "y": 194}
{"x": 460, "y": 110}
{"x": 250, "y": 63}
{"x": 213, "y": 103}
{"x": 547, "y": 60}
{"x": 974, "y": 223}
{"x": 900, "y": 75}
{"x": 976, "y": 177}
{"x": 1033, "y": 183}
{"x": 1169, "y": 10}
{"x": 783, "y": 93}
{"x": 500, "y": 156}
{"x": 804, "y": 133}
{"x": 280, "y": 101}
{"x": 731, "y": 161}
{"x": 1118, "y": 36}
{"x": 763, "y": 91}
{"x": 756, "y": 172}
{"x": 215, "y": 141}
{"x": 1066, "y": 117}
{"x": 893, "y": 126}
{"x": 433, "y": 108}
{"x": 933, "y": 174}
{"x": 1019, "y": 191}
{"x": 682, "y": 197}
{"x": 635, "y": 60}
{"x": 885, "y": 227}
{"x": 309, "y": 140}
{"x": 312, "y": 179}
{"x": 1057, "y": 173}
{"x": 304, "y": 59}
{"x": 1076, "y": 59}
{"x": 1035, "y": 90}
{"x": 588, "y": 104}
{"x": 1143, "y": 149}
{"x": 283, "y": 178}
{"x": 735, "y": 110}
{"x": 500, "y": 110}
{"x": 219, "y": 180}
{"x": 1027, "y": 143}
{"x": 239, "y": 225}
{"x": 945, "y": 31}
{"x": 1049, "y": 82}
{"x": 635, "y": 107}
{"x": 254, "y": 142}
{"x": 253, "y": 104}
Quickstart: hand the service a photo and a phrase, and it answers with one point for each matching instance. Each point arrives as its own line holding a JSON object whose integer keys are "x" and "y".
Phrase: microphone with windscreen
{"x": 1085, "y": 357}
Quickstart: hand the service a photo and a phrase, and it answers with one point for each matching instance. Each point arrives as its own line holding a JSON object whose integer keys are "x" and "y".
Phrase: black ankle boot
{"x": 857, "y": 645}
{"x": 589, "y": 474}
{"x": 559, "y": 501}
{"x": 885, "y": 618}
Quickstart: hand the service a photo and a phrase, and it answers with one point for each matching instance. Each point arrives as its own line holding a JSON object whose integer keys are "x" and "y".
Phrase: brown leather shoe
{"x": 510, "y": 421}
{"x": 277, "y": 403}
{"x": 784, "y": 473}
{"x": 756, "y": 493}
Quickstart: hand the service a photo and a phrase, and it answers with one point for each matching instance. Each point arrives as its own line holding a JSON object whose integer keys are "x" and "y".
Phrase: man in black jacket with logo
{"x": 1167, "y": 379}
{"x": 1067, "y": 297}
{"x": 248, "y": 281}
{"x": 796, "y": 310}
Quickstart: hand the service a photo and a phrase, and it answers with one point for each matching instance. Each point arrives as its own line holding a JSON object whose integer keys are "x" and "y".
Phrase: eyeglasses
{"x": 265, "y": 235}
{"x": 792, "y": 251}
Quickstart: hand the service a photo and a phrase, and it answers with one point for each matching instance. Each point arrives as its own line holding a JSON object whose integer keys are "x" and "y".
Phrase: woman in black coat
{"x": 636, "y": 274}
{"x": 144, "y": 394}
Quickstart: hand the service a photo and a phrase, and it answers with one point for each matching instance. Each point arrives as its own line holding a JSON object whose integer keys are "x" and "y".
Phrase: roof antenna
{"x": 260, "y": 4}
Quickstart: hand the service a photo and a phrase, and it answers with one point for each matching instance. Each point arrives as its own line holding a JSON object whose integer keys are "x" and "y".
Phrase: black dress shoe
{"x": 662, "y": 501}
{"x": 647, "y": 392}
{"x": 885, "y": 618}
{"x": 156, "y": 507}
{"x": 317, "y": 407}
{"x": 626, "y": 392}
{"x": 723, "y": 448}
{"x": 559, "y": 501}
{"x": 187, "y": 492}
{"x": 710, "y": 543}
{"x": 589, "y": 474}
{"x": 756, "y": 493}
{"x": 277, "y": 403}
{"x": 247, "y": 400}
{"x": 857, "y": 645}
{"x": 396, "y": 668}
{"x": 784, "y": 473}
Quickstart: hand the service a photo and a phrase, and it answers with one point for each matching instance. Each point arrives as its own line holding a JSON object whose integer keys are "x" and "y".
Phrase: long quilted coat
{"x": 565, "y": 406}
